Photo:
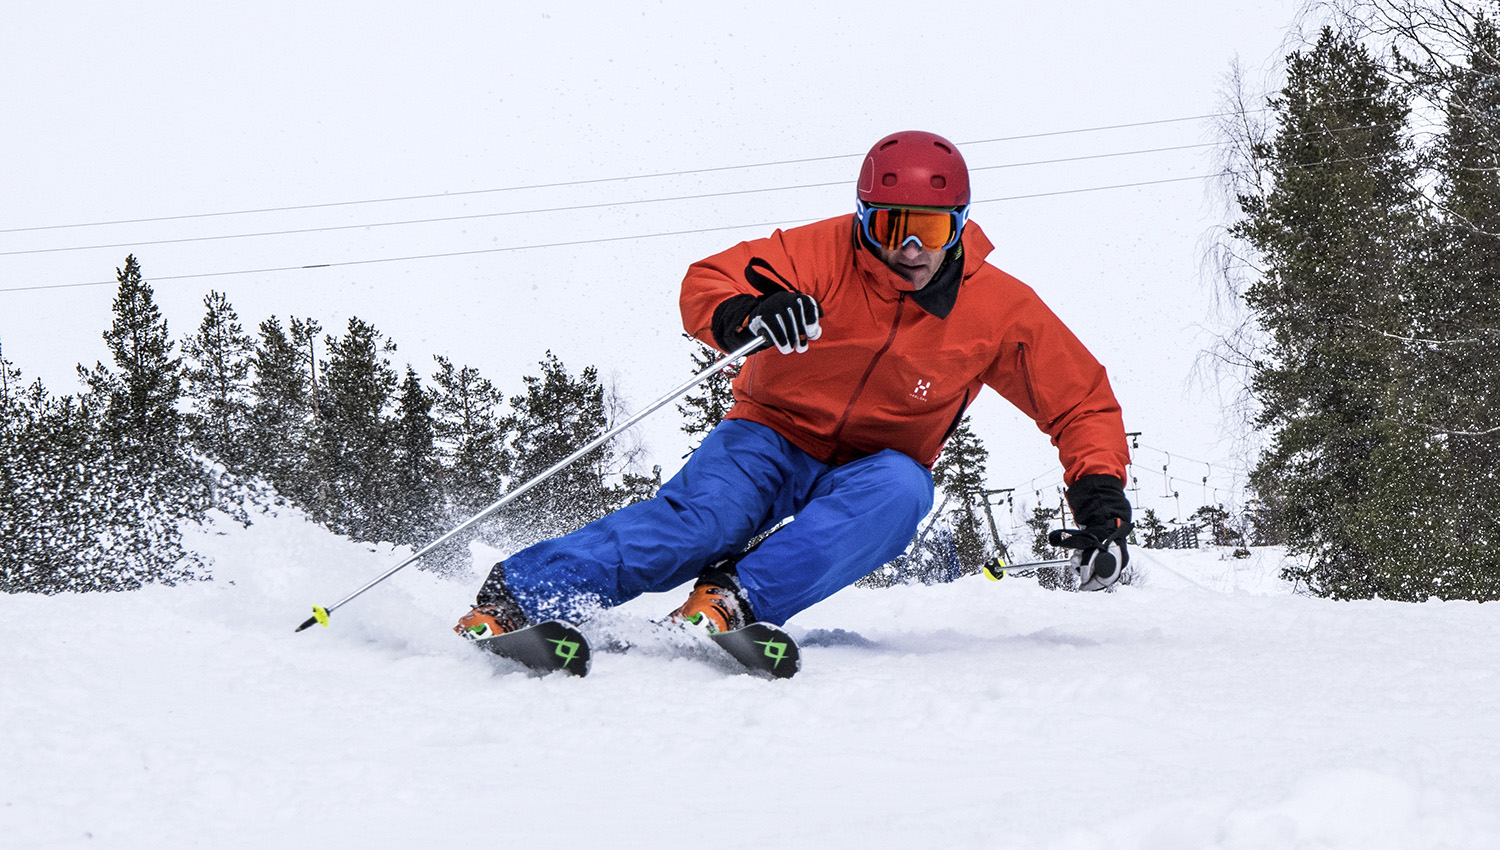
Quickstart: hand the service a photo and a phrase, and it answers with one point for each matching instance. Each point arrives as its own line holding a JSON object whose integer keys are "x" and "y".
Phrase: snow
{"x": 1207, "y": 706}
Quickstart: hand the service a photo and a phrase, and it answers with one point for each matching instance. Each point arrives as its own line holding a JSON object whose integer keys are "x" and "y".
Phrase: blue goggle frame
{"x": 959, "y": 217}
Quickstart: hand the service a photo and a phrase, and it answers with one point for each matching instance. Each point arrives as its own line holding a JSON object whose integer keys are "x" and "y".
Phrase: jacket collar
{"x": 939, "y": 296}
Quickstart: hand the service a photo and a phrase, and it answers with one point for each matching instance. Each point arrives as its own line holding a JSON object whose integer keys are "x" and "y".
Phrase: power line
{"x": 598, "y": 180}
{"x": 573, "y": 243}
{"x": 574, "y": 207}
{"x": 1056, "y": 193}
{"x": 414, "y": 257}
{"x": 647, "y": 176}
{"x": 638, "y": 201}
{"x": 1061, "y": 192}
{"x": 439, "y": 220}
{"x": 703, "y": 196}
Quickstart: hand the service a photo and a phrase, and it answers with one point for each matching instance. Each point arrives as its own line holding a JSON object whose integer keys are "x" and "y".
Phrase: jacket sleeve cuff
{"x": 729, "y": 321}
{"x": 1096, "y": 499}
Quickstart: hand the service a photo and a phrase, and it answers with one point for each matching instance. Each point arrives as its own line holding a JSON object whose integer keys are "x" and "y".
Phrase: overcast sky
{"x": 180, "y": 112}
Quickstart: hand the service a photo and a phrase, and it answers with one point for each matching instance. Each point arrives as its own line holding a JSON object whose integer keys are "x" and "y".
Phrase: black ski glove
{"x": 789, "y": 320}
{"x": 1100, "y": 506}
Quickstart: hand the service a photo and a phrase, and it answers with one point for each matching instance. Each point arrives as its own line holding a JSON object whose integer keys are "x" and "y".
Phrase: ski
{"x": 759, "y": 648}
{"x": 546, "y": 647}
{"x": 762, "y": 648}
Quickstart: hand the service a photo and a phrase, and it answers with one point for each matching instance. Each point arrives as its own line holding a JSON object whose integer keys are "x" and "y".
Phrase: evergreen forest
{"x": 1366, "y": 252}
{"x": 95, "y": 487}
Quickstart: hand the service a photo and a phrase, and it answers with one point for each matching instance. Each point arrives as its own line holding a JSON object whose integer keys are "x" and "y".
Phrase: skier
{"x": 885, "y": 325}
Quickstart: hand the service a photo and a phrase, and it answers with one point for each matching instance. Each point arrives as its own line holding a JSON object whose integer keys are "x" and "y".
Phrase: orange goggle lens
{"x": 893, "y": 227}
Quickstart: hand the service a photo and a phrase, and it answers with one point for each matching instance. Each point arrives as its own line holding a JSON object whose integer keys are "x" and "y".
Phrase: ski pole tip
{"x": 320, "y": 615}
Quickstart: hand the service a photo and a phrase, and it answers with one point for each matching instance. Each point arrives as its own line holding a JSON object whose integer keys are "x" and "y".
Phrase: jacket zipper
{"x": 957, "y": 419}
{"x": 859, "y": 388}
{"x": 1026, "y": 376}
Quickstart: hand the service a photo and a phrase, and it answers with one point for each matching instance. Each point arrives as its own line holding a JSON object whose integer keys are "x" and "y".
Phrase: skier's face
{"x": 912, "y": 262}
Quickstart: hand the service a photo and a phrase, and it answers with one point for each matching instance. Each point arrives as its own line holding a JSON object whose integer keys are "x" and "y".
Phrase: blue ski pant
{"x": 740, "y": 482}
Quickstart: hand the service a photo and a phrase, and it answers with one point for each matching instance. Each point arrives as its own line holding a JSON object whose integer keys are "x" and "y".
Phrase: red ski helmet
{"x": 914, "y": 169}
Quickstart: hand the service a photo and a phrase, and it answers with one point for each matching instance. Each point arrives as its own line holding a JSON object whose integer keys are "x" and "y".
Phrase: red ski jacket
{"x": 888, "y": 373}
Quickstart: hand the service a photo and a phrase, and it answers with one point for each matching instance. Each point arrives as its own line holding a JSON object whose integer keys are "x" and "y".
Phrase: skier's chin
{"x": 910, "y": 279}
{"x": 914, "y": 272}
{"x": 918, "y": 276}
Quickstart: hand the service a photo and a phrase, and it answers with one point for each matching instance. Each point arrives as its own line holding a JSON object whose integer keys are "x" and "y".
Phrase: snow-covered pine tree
{"x": 1149, "y": 530}
{"x": 25, "y": 564}
{"x": 1335, "y": 225}
{"x": 1413, "y": 502}
{"x": 1440, "y": 508}
{"x": 416, "y": 515}
{"x": 317, "y": 464}
{"x": 280, "y": 417}
{"x": 96, "y": 488}
{"x": 156, "y": 484}
{"x": 1042, "y": 520}
{"x": 140, "y": 398}
{"x": 470, "y": 432}
{"x": 960, "y": 471}
{"x": 218, "y": 383}
{"x": 57, "y": 493}
{"x": 470, "y": 447}
{"x": 557, "y": 415}
{"x": 1215, "y": 521}
{"x": 357, "y": 433}
{"x": 633, "y": 487}
{"x": 705, "y": 406}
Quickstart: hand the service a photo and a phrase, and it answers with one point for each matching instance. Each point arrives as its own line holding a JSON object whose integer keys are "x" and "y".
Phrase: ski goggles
{"x": 933, "y": 228}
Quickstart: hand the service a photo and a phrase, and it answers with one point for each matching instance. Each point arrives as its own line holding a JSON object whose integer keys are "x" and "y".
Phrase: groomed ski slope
{"x": 1207, "y": 707}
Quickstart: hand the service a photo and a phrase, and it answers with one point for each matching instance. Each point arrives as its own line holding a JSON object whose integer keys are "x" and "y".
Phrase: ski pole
{"x": 320, "y": 614}
{"x": 1066, "y": 538}
{"x": 993, "y": 571}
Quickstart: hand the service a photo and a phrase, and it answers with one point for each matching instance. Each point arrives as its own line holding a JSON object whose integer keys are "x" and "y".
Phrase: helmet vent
{"x": 914, "y": 168}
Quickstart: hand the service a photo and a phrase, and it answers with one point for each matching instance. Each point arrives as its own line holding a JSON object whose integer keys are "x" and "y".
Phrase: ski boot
{"x": 495, "y": 611}
{"x": 717, "y": 603}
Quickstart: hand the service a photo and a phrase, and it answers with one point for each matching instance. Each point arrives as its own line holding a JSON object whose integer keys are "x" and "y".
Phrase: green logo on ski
{"x": 566, "y": 649}
{"x": 775, "y": 650}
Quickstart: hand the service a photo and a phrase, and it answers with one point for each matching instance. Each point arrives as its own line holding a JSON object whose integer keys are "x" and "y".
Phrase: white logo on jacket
{"x": 920, "y": 393}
